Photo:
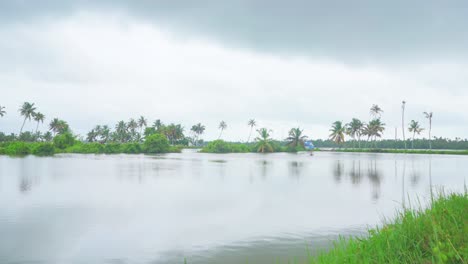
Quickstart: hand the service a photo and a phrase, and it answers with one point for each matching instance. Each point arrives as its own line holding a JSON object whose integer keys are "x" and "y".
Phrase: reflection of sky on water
{"x": 138, "y": 208}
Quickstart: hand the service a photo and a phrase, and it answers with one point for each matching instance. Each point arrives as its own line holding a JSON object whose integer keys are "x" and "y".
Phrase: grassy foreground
{"x": 409, "y": 151}
{"x": 438, "y": 234}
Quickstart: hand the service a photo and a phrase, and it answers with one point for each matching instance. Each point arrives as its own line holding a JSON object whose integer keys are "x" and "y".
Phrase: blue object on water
{"x": 308, "y": 145}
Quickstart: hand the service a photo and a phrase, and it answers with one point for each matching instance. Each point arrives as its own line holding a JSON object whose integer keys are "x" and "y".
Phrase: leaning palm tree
{"x": 428, "y": 115}
{"x": 415, "y": 128}
{"x": 354, "y": 129}
{"x": 2, "y": 111}
{"x": 264, "y": 141}
{"x": 296, "y": 138}
{"x": 337, "y": 132}
{"x": 27, "y": 110}
{"x": 222, "y": 126}
{"x": 39, "y": 118}
{"x": 251, "y": 124}
{"x": 198, "y": 130}
{"x": 403, "y": 105}
{"x": 376, "y": 111}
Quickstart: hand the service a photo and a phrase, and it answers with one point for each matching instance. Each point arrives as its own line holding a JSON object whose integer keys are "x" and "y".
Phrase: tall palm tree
{"x": 251, "y": 124}
{"x": 416, "y": 129}
{"x": 403, "y": 105}
{"x": 132, "y": 125}
{"x": 337, "y": 132}
{"x": 428, "y": 115}
{"x": 2, "y": 111}
{"x": 158, "y": 124}
{"x": 222, "y": 126}
{"x": 354, "y": 129}
{"x": 121, "y": 133}
{"x": 296, "y": 138}
{"x": 54, "y": 125}
{"x": 39, "y": 118}
{"x": 142, "y": 122}
{"x": 27, "y": 110}
{"x": 374, "y": 130}
{"x": 264, "y": 141}
{"x": 376, "y": 111}
{"x": 198, "y": 130}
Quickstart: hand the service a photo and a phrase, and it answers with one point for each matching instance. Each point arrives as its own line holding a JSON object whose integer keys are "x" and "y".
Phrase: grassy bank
{"x": 66, "y": 143}
{"x": 221, "y": 146}
{"x": 437, "y": 234}
{"x": 409, "y": 151}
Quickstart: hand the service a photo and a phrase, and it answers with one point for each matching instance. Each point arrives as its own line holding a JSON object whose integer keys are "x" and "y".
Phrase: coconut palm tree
{"x": 338, "y": 132}
{"x": 403, "y": 105}
{"x": 2, "y": 111}
{"x": 354, "y": 129}
{"x": 376, "y": 111}
{"x": 132, "y": 125}
{"x": 428, "y": 115}
{"x": 375, "y": 129}
{"x": 415, "y": 128}
{"x": 54, "y": 125}
{"x": 251, "y": 124}
{"x": 158, "y": 124}
{"x": 142, "y": 122}
{"x": 198, "y": 130}
{"x": 296, "y": 138}
{"x": 121, "y": 133}
{"x": 27, "y": 110}
{"x": 39, "y": 118}
{"x": 222, "y": 126}
{"x": 47, "y": 136}
{"x": 264, "y": 141}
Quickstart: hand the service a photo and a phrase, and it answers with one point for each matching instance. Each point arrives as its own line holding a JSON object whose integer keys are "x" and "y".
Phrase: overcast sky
{"x": 291, "y": 63}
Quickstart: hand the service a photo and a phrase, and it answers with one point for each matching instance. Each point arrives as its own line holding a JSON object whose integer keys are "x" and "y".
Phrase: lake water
{"x": 208, "y": 208}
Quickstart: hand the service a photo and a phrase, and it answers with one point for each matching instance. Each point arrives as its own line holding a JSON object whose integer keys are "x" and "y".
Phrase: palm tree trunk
{"x": 403, "y": 125}
{"x": 21, "y": 130}
{"x": 37, "y": 126}
{"x": 250, "y": 134}
{"x": 430, "y": 139}
{"x": 220, "y": 133}
{"x": 412, "y": 142}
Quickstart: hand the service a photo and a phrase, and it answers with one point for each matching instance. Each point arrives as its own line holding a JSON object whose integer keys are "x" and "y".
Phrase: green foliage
{"x": 221, "y": 146}
{"x": 64, "y": 140}
{"x": 156, "y": 143}
{"x": 43, "y": 149}
{"x": 18, "y": 148}
{"x": 434, "y": 235}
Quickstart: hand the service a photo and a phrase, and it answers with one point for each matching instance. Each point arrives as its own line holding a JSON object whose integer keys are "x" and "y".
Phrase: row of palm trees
{"x": 375, "y": 127}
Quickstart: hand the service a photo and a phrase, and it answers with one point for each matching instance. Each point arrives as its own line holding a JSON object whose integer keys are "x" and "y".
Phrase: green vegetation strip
{"x": 437, "y": 234}
{"x": 409, "y": 151}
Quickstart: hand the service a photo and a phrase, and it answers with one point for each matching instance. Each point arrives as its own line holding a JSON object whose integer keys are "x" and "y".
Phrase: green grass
{"x": 409, "y": 151}
{"x": 438, "y": 234}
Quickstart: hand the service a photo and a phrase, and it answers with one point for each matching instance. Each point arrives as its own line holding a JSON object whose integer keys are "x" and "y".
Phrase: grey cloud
{"x": 350, "y": 31}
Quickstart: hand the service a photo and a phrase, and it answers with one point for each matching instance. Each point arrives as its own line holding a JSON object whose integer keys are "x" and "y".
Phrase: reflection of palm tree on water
{"x": 338, "y": 170}
{"x": 374, "y": 178}
{"x": 355, "y": 173}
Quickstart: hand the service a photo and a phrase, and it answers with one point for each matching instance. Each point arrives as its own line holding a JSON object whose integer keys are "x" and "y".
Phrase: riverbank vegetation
{"x": 433, "y": 235}
{"x": 409, "y": 151}
{"x": 131, "y": 136}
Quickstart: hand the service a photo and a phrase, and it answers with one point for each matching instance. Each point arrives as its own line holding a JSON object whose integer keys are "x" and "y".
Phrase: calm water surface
{"x": 209, "y": 208}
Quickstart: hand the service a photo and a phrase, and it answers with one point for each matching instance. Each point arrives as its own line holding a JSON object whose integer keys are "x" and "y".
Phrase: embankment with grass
{"x": 437, "y": 234}
{"x": 408, "y": 151}
{"x": 221, "y": 146}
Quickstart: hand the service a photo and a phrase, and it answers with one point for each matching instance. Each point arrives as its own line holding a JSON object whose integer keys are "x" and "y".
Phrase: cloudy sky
{"x": 284, "y": 63}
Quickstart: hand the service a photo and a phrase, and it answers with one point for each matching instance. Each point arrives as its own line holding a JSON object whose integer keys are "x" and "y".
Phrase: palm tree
{"x": 375, "y": 129}
{"x": 337, "y": 132}
{"x": 222, "y": 126}
{"x": 403, "y": 104}
{"x": 47, "y": 136}
{"x": 158, "y": 124}
{"x": 132, "y": 125}
{"x": 142, "y": 122}
{"x": 27, "y": 110}
{"x": 416, "y": 129}
{"x": 264, "y": 141}
{"x": 2, "y": 111}
{"x": 39, "y": 118}
{"x": 54, "y": 125}
{"x": 428, "y": 115}
{"x": 198, "y": 130}
{"x": 121, "y": 133}
{"x": 296, "y": 138}
{"x": 376, "y": 111}
{"x": 354, "y": 129}
{"x": 251, "y": 124}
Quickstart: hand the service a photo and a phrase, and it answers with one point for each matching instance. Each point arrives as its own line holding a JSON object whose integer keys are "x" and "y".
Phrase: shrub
{"x": 131, "y": 148}
{"x": 221, "y": 146}
{"x": 64, "y": 140}
{"x": 43, "y": 149}
{"x": 17, "y": 148}
{"x": 156, "y": 143}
